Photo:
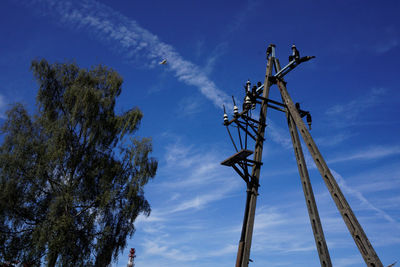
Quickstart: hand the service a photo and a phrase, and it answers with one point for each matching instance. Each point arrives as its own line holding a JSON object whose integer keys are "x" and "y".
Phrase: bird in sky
{"x": 163, "y": 62}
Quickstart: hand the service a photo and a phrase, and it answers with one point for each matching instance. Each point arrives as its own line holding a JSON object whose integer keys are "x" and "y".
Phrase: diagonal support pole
{"x": 313, "y": 214}
{"x": 360, "y": 238}
{"x": 315, "y": 221}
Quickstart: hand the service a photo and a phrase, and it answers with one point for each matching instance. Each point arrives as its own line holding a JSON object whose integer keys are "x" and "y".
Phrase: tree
{"x": 72, "y": 175}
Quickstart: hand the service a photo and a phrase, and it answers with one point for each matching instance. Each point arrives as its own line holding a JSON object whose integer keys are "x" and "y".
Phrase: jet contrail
{"x": 127, "y": 36}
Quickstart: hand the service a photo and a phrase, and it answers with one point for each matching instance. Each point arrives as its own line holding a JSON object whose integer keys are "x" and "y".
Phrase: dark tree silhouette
{"x": 72, "y": 175}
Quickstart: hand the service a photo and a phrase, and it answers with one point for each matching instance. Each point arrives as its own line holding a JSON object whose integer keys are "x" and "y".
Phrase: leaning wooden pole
{"x": 360, "y": 238}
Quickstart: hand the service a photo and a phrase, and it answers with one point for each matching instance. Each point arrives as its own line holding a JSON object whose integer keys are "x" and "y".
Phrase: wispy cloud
{"x": 201, "y": 176}
{"x": 348, "y": 261}
{"x": 276, "y": 228}
{"x": 177, "y": 154}
{"x": 133, "y": 41}
{"x": 386, "y": 46}
{"x": 370, "y": 153}
{"x": 388, "y": 41}
{"x": 238, "y": 22}
{"x": 343, "y": 185}
{"x": 189, "y": 106}
{"x": 333, "y": 140}
{"x": 197, "y": 168}
{"x": 194, "y": 184}
{"x": 278, "y": 135}
{"x": 382, "y": 178}
{"x": 200, "y": 201}
{"x": 228, "y": 249}
{"x": 348, "y": 112}
{"x": 273, "y": 229}
{"x": 160, "y": 248}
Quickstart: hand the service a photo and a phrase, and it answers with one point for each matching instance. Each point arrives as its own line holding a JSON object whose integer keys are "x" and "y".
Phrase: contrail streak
{"x": 129, "y": 38}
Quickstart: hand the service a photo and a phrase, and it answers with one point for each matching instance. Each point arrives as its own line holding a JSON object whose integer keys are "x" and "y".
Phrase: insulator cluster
{"x": 252, "y": 92}
{"x": 249, "y": 101}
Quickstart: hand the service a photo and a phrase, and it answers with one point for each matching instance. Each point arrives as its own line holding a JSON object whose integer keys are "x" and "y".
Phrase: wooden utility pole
{"x": 255, "y": 129}
{"x": 255, "y": 173}
{"x": 360, "y": 238}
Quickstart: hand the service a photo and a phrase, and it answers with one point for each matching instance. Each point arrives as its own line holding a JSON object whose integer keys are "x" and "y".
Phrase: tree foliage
{"x": 72, "y": 175}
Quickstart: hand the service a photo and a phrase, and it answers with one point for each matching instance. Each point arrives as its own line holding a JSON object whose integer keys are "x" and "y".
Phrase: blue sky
{"x": 213, "y": 47}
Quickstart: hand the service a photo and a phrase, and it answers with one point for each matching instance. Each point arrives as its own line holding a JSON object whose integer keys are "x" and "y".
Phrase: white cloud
{"x": 189, "y": 106}
{"x": 333, "y": 140}
{"x": 343, "y": 185}
{"x": 238, "y": 21}
{"x": 380, "y": 186}
{"x": 384, "y": 47}
{"x": 348, "y": 261}
{"x": 200, "y": 201}
{"x": 228, "y": 249}
{"x": 348, "y": 112}
{"x": 154, "y": 217}
{"x": 281, "y": 229}
{"x": 197, "y": 167}
{"x": 163, "y": 249}
{"x": 132, "y": 41}
{"x": 278, "y": 135}
{"x": 179, "y": 222}
{"x": 385, "y": 177}
{"x": 200, "y": 173}
{"x": 178, "y": 155}
{"x": 277, "y": 229}
{"x": 371, "y": 153}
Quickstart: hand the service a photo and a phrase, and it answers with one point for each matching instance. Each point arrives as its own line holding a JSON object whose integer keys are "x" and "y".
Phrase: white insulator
{"x": 247, "y": 100}
{"x": 235, "y": 110}
{"x": 248, "y": 84}
{"x": 226, "y": 120}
